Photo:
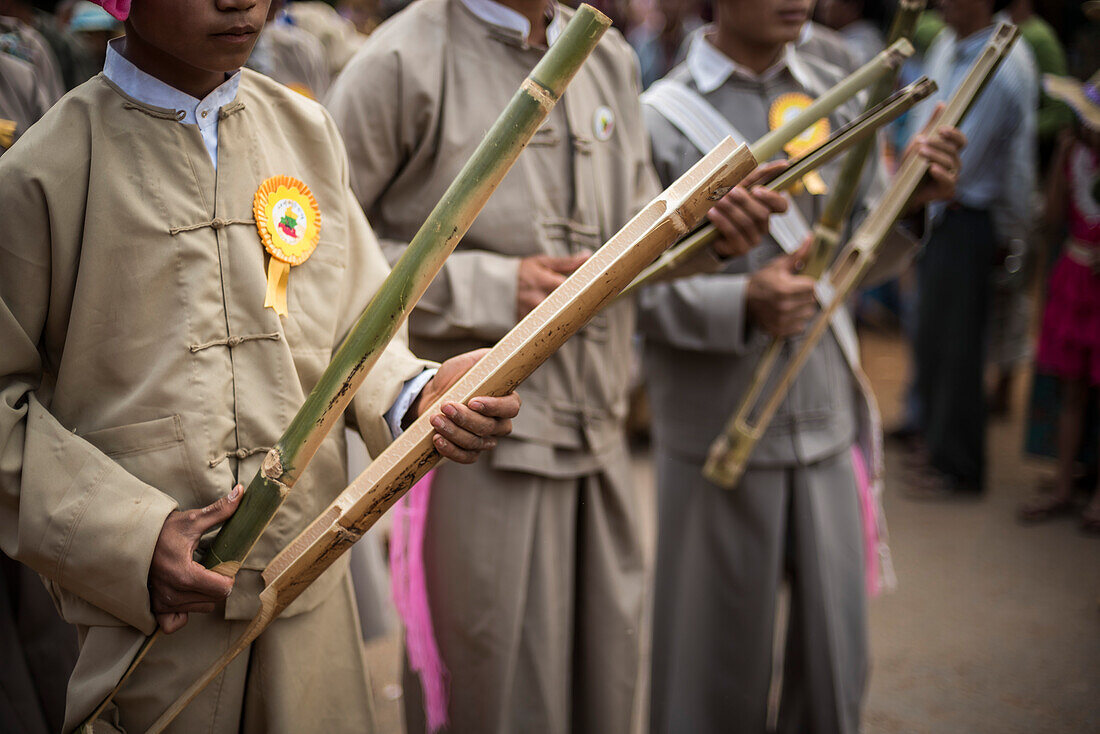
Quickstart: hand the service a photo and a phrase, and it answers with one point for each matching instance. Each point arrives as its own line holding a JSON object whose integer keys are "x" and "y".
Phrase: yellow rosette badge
{"x": 289, "y": 222}
{"x": 787, "y": 106}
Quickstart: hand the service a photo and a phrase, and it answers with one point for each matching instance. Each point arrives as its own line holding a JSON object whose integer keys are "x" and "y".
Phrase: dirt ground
{"x": 994, "y": 627}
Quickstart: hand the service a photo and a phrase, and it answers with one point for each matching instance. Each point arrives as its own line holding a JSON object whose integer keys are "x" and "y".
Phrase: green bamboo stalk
{"x": 390, "y": 306}
{"x": 843, "y": 139}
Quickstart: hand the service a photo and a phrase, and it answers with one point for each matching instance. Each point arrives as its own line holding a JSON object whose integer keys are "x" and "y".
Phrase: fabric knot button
{"x": 234, "y": 341}
{"x": 218, "y": 223}
{"x": 241, "y": 453}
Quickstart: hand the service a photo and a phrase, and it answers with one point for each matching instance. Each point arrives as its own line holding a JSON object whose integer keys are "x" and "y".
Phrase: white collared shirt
{"x": 710, "y": 68}
{"x": 149, "y": 90}
{"x": 502, "y": 16}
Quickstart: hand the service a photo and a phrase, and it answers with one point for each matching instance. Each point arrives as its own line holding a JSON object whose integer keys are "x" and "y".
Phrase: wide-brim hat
{"x": 1082, "y": 97}
{"x": 118, "y": 8}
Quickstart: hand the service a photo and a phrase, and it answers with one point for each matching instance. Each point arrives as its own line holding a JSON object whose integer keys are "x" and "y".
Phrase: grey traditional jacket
{"x": 701, "y": 350}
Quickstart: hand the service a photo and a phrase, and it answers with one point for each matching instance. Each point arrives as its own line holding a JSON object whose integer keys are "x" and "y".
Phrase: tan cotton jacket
{"x": 139, "y": 370}
{"x": 412, "y": 105}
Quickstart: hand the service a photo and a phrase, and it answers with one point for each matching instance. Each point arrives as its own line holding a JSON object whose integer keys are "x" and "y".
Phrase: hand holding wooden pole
{"x": 672, "y": 261}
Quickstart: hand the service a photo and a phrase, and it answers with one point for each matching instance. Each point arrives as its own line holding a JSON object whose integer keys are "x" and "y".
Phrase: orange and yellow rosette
{"x": 784, "y": 108}
{"x": 289, "y": 222}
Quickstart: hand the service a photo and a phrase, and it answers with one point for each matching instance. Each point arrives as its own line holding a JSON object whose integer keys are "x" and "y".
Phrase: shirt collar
{"x": 149, "y": 90}
{"x": 710, "y": 68}
{"x": 501, "y": 16}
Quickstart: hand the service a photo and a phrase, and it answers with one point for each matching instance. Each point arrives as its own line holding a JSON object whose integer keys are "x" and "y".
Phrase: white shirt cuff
{"x": 409, "y": 393}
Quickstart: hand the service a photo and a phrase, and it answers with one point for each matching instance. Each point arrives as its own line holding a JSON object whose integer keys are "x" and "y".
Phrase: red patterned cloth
{"x": 1069, "y": 344}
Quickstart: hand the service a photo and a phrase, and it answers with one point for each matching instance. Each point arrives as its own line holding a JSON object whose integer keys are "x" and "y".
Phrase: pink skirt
{"x": 1069, "y": 343}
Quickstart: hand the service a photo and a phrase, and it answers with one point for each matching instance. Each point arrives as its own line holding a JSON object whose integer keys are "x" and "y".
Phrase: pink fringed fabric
{"x": 869, "y": 517}
{"x": 120, "y": 9}
{"x": 410, "y": 595}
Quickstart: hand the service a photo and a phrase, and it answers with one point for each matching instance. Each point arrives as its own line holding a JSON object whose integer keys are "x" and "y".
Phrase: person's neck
{"x": 188, "y": 79}
{"x": 535, "y": 12}
{"x": 972, "y": 25}
{"x": 757, "y": 57}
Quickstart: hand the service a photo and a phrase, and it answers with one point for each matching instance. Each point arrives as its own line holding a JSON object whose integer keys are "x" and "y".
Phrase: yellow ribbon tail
{"x": 277, "y": 273}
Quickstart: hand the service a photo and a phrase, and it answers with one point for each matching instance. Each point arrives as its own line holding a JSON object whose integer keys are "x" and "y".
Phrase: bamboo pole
{"x": 390, "y": 306}
{"x": 730, "y": 452}
{"x": 827, "y": 230}
{"x": 675, "y": 258}
{"x": 568, "y": 308}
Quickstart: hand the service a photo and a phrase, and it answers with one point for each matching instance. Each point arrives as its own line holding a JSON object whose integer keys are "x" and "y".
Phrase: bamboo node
{"x": 540, "y": 94}
{"x": 272, "y": 468}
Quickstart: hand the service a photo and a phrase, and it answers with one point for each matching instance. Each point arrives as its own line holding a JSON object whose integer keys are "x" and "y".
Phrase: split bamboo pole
{"x": 730, "y": 452}
{"x": 675, "y": 259}
{"x": 433, "y": 243}
{"x": 568, "y": 308}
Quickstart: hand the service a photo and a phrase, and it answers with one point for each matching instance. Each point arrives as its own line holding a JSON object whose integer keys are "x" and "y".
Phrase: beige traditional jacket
{"x": 139, "y": 369}
{"x": 412, "y": 105}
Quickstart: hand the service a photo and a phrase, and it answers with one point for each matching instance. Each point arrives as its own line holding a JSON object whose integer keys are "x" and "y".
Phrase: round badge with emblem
{"x": 603, "y": 123}
{"x": 289, "y": 222}
{"x": 784, "y": 108}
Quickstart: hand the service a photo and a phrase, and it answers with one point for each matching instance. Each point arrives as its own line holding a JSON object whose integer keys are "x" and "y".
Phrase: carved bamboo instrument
{"x": 519, "y": 352}
{"x": 730, "y": 452}
{"x": 675, "y": 259}
{"x": 433, "y": 243}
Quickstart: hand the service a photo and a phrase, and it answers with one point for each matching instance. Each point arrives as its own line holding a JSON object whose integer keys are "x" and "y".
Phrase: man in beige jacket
{"x": 533, "y": 563}
{"x": 141, "y": 375}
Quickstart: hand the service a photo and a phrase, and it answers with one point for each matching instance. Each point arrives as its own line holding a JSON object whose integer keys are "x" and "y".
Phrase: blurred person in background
{"x": 794, "y": 521}
{"x": 22, "y": 41}
{"x": 74, "y": 63}
{"x": 992, "y": 204}
{"x": 94, "y": 27}
{"x": 290, "y": 55}
{"x": 1050, "y": 58}
{"x": 1069, "y": 342}
{"x": 660, "y": 39}
{"x": 858, "y": 21}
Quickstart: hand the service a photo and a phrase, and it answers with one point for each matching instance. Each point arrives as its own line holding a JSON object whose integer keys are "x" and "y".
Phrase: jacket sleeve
{"x": 699, "y": 313}
{"x": 400, "y": 110}
{"x": 66, "y": 509}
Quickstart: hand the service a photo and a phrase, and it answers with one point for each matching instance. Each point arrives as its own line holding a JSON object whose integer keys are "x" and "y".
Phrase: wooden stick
{"x": 730, "y": 452}
{"x": 675, "y": 258}
{"x": 524, "y": 348}
{"x": 395, "y": 299}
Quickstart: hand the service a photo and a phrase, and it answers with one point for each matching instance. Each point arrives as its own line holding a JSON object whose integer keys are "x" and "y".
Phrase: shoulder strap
{"x": 691, "y": 114}
{"x": 703, "y": 125}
